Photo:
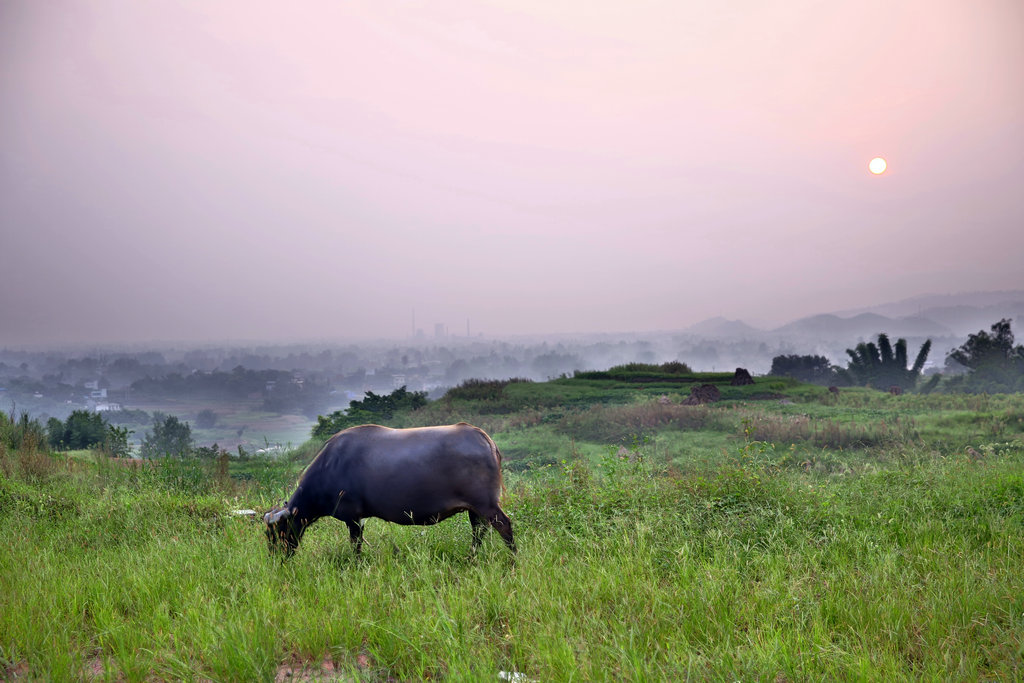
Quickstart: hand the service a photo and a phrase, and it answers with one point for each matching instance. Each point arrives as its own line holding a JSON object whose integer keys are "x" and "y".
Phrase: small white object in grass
{"x": 244, "y": 513}
{"x": 514, "y": 677}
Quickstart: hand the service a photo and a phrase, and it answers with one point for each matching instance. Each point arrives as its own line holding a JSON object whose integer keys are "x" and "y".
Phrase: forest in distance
{"x": 271, "y": 397}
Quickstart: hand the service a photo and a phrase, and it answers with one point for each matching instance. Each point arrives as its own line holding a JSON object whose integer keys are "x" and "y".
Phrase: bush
{"x": 21, "y": 433}
{"x": 170, "y": 437}
{"x": 372, "y": 409}
{"x": 811, "y": 369}
{"x": 82, "y": 429}
{"x": 481, "y": 389}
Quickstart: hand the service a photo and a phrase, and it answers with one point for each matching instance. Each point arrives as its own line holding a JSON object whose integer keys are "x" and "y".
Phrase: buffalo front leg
{"x": 355, "y": 536}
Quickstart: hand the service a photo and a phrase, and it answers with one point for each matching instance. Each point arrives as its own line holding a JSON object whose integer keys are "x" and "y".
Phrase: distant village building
{"x": 398, "y": 381}
{"x": 108, "y": 408}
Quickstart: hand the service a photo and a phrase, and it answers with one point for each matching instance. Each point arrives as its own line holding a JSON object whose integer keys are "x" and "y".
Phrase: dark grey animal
{"x": 405, "y": 476}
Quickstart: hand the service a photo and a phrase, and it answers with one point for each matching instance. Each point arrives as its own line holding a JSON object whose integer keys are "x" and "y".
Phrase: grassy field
{"x": 798, "y": 537}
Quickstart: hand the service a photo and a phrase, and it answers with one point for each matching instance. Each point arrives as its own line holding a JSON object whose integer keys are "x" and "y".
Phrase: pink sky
{"x": 200, "y": 171}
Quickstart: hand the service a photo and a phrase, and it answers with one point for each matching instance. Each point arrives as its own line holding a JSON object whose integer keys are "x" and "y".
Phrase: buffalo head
{"x": 283, "y": 529}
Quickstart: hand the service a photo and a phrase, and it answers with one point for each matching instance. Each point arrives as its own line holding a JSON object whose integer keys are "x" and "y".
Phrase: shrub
{"x": 373, "y": 408}
{"x": 614, "y": 423}
{"x": 170, "y": 437}
{"x": 790, "y": 429}
{"x": 482, "y": 389}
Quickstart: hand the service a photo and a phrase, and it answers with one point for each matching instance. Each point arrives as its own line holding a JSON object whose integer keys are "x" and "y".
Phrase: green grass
{"x": 680, "y": 551}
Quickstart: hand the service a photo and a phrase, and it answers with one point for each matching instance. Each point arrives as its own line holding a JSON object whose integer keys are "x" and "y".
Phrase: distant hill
{"x": 722, "y": 327}
{"x": 828, "y": 326}
{"x": 964, "y": 320}
{"x": 961, "y": 314}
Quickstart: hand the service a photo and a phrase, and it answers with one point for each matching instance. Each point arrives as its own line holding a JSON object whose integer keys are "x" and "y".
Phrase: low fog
{"x": 257, "y": 396}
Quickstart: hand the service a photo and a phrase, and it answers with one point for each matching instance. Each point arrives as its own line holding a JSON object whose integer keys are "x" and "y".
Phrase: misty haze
{"x": 730, "y": 295}
{"x": 181, "y": 172}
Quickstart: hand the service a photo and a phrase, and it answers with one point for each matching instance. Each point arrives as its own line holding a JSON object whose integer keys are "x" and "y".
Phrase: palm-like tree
{"x": 883, "y": 366}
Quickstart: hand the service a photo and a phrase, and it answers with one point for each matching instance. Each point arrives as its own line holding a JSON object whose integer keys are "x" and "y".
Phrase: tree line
{"x": 988, "y": 362}
{"x": 84, "y": 429}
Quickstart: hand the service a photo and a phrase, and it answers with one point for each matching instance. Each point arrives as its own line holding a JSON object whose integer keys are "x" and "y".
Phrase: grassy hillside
{"x": 783, "y": 533}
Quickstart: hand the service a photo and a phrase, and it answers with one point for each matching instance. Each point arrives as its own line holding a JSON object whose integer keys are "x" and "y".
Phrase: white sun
{"x": 877, "y": 165}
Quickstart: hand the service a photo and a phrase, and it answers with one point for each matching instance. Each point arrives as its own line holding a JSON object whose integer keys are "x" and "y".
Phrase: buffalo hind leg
{"x": 479, "y": 525}
{"x": 355, "y": 535}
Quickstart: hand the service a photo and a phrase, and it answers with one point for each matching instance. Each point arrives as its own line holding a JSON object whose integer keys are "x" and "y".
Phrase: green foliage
{"x": 882, "y": 366}
{"x": 994, "y": 363}
{"x": 116, "y": 442}
{"x": 481, "y": 389}
{"x": 675, "y": 367}
{"x": 21, "y": 433}
{"x": 374, "y": 408}
{"x": 829, "y": 433}
{"x": 170, "y": 437}
{"x": 811, "y": 369}
{"x": 82, "y": 429}
{"x": 672, "y": 371}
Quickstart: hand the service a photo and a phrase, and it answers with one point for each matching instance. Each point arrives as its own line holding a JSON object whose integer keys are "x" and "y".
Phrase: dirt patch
{"x": 297, "y": 669}
{"x": 96, "y": 670}
{"x": 705, "y": 393}
{"x": 17, "y": 671}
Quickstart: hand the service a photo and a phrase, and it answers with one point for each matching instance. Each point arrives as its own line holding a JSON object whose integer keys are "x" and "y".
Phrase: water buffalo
{"x": 405, "y": 476}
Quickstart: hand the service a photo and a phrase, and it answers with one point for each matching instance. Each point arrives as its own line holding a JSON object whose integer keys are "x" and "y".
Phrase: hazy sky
{"x": 204, "y": 170}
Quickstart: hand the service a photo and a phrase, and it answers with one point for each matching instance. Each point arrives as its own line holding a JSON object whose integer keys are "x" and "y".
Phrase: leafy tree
{"x": 170, "y": 437}
{"x": 116, "y": 443}
{"x": 83, "y": 429}
{"x": 995, "y": 364}
{"x": 812, "y": 369}
{"x": 883, "y": 366}
{"x": 373, "y": 408}
{"x": 54, "y": 432}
